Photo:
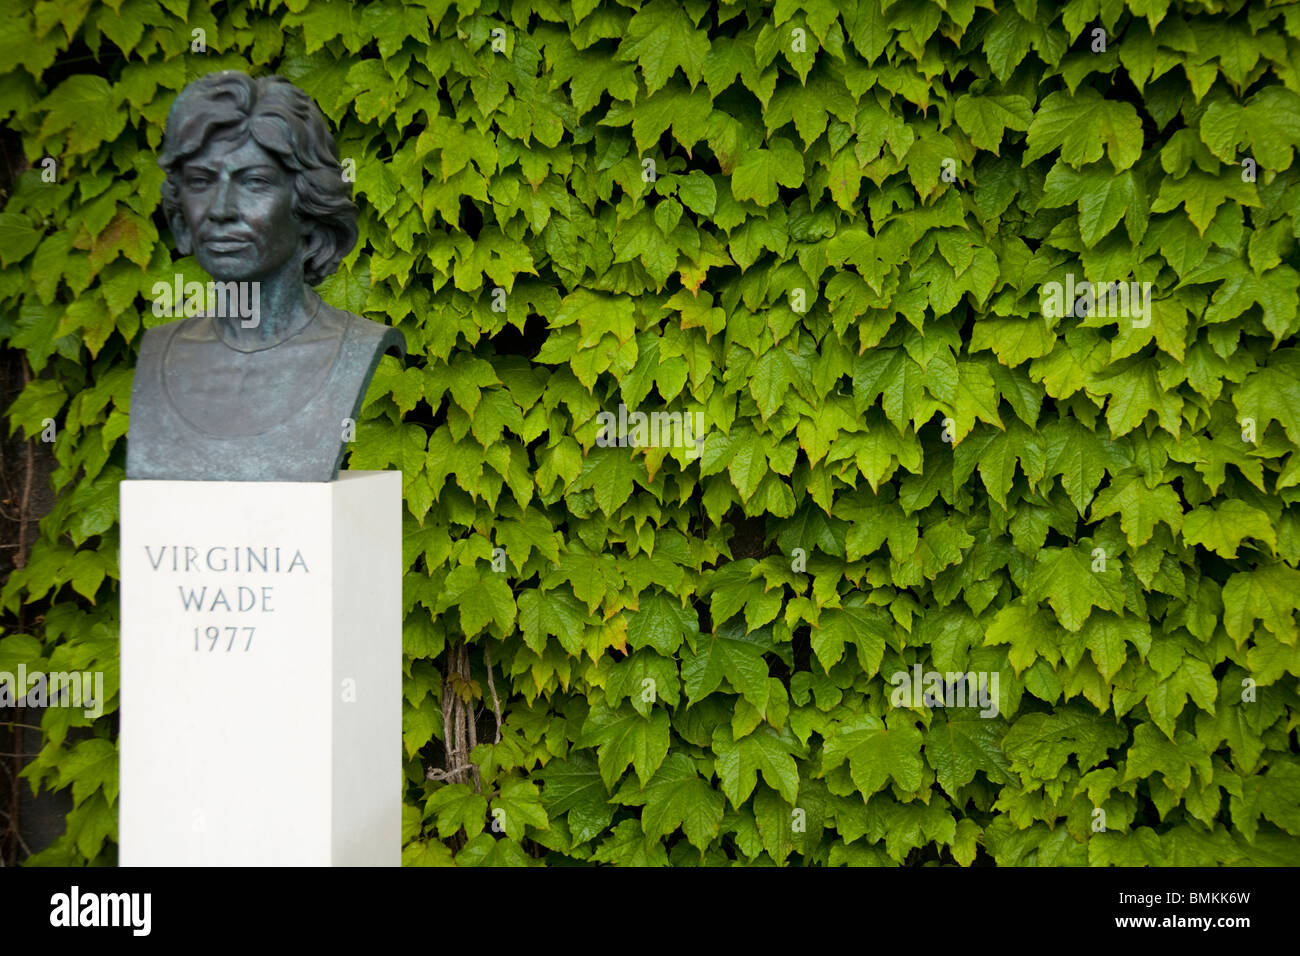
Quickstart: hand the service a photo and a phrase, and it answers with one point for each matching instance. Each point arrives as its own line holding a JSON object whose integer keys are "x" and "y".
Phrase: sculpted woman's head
{"x": 254, "y": 183}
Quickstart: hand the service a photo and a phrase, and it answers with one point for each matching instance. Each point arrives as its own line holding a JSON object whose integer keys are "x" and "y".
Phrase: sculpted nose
{"x": 223, "y": 201}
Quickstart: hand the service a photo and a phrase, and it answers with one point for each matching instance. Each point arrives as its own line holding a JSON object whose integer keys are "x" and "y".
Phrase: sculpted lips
{"x": 225, "y": 244}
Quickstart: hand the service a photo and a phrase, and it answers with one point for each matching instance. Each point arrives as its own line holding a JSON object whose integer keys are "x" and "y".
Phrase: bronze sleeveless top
{"x": 202, "y": 410}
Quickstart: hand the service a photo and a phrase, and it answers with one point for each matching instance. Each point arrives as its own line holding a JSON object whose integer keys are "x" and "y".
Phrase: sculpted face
{"x": 237, "y": 203}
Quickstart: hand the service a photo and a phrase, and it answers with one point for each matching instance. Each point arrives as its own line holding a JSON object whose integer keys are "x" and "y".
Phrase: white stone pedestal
{"x": 261, "y": 719}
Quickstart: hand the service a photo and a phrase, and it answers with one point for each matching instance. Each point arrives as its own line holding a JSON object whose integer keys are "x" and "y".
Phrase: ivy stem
{"x": 20, "y": 558}
{"x": 496, "y": 702}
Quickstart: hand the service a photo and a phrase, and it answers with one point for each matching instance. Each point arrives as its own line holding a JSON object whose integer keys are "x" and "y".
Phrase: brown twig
{"x": 496, "y": 702}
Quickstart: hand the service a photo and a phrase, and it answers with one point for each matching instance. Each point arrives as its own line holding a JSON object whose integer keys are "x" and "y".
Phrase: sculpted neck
{"x": 270, "y": 311}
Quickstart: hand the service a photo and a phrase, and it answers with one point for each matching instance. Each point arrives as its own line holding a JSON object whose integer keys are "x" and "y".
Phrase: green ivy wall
{"x": 839, "y": 258}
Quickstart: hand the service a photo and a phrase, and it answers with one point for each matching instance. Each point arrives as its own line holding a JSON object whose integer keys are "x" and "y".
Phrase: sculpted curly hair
{"x": 285, "y": 122}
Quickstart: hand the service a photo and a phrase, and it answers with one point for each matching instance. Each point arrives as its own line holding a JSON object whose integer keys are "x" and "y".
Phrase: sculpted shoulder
{"x": 375, "y": 335}
{"x": 196, "y": 328}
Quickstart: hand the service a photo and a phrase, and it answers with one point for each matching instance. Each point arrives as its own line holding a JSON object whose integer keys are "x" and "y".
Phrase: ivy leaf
{"x": 1267, "y": 122}
{"x": 1139, "y": 847}
{"x": 763, "y": 170}
{"x": 876, "y": 751}
{"x": 1166, "y": 700}
{"x": 91, "y": 823}
{"x": 1232, "y": 721}
{"x": 1222, "y": 529}
{"x": 628, "y": 846}
{"x": 1174, "y": 759}
{"x": 1104, "y": 199}
{"x": 976, "y": 399}
{"x": 18, "y": 649}
{"x": 866, "y": 627}
{"x": 875, "y": 521}
{"x": 1272, "y": 794}
{"x": 518, "y": 806}
{"x": 457, "y": 806}
{"x": 679, "y": 797}
{"x": 623, "y": 737}
{"x": 532, "y": 532}
{"x": 1275, "y": 292}
{"x": 487, "y": 850}
{"x": 985, "y": 117}
{"x": 465, "y": 378}
{"x": 90, "y": 767}
{"x": 590, "y": 80}
{"x": 965, "y": 841}
{"x": 555, "y": 613}
{"x": 1272, "y": 393}
{"x": 427, "y": 853}
{"x": 575, "y": 786}
{"x": 1081, "y": 124}
{"x": 86, "y": 572}
{"x": 1030, "y": 632}
{"x": 1039, "y": 745}
{"x": 891, "y": 373}
{"x": 87, "y": 108}
{"x": 765, "y": 750}
{"x": 18, "y": 237}
{"x": 1140, "y": 508}
{"x": 698, "y": 193}
{"x": 770, "y": 380}
{"x": 748, "y": 466}
{"x": 419, "y": 724}
{"x": 40, "y": 399}
{"x": 1107, "y": 636}
{"x": 908, "y": 826}
{"x": 686, "y": 112}
{"x": 661, "y": 38}
{"x": 482, "y": 598}
{"x": 1064, "y": 576}
{"x": 957, "y": 748}
{"x": 1270, "y": 594}
{"x": 611, "y": 474}
{"x": 1134, "y": 393}
{"x": 1201, "y": 195}
{"x": 1007, "y": 42}
{"x": 740, "y": 662}
{"x": 641, "y": 672}
{"x": 661, "y": 623}
{"x": 729, "y": 58}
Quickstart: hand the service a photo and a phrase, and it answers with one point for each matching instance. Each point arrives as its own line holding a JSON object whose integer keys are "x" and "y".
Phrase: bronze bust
{"x": 268, "y": 391}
